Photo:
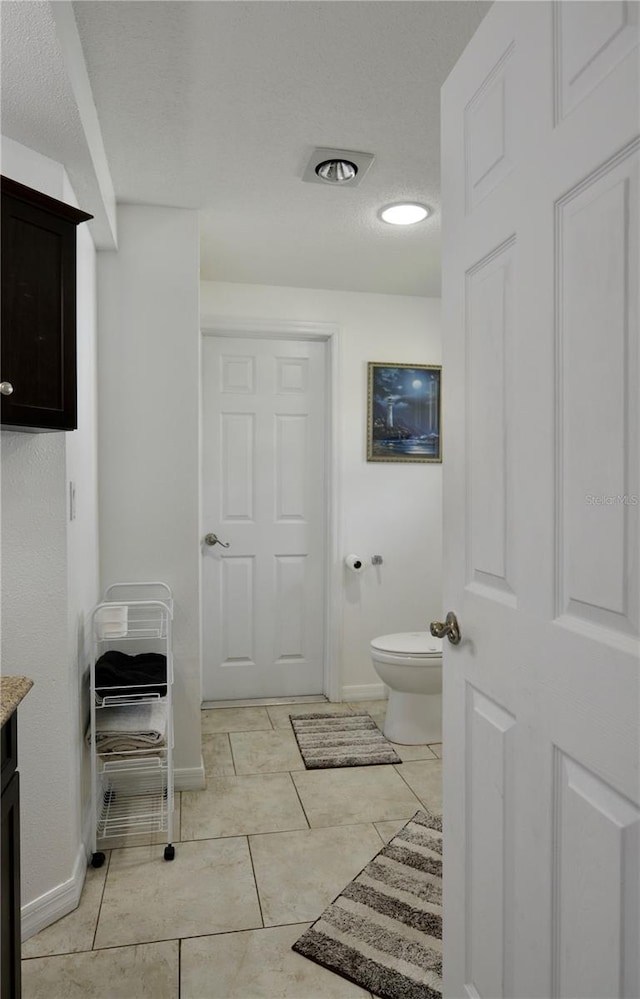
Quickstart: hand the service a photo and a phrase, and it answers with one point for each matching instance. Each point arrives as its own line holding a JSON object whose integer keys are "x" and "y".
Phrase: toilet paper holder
{"x": 355, "y": 563}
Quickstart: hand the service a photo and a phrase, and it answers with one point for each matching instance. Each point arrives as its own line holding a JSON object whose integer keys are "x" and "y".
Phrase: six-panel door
{"x": 542, "y": 501}
{"x": 264, "y": 434}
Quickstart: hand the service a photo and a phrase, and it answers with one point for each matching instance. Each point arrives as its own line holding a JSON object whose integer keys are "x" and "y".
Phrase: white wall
{"x": 391, "y": 509}
{"x": 148, "y": 440}
{"x": 49, "y": 584}
{"x": 82, "y": 471}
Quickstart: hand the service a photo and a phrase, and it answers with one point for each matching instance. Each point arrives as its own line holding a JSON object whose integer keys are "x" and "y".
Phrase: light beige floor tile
{"x": 408, "y": 753}
{"x": 424, "y": 777}
{"x": 208, "y": 888}
{"x": 236, "y": 806}
{"x": 376, "y": 708}
{"x": 146, "y": 972}
{"x": 234, "y": 720}
{"x": 216, "y": 755}
{"x": 74, "y": 932}
{"x": 299, "y": 873}
{"x": 279, "y": 713}
{"x": 436, "y": 747}
{"x": 389, "y": 829}
{"x": 354, "y": 794}
{"x": 265, "y": 752}
{"x": 258, "y": 964}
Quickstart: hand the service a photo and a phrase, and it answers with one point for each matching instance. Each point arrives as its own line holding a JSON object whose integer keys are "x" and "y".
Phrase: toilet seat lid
{"x": 412, "y": 643}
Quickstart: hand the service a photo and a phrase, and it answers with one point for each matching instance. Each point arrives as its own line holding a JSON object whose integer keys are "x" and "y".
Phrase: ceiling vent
{"x": 337, "y": 167}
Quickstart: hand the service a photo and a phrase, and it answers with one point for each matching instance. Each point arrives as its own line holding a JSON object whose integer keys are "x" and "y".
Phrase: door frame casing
{"x": 327, "y": 332}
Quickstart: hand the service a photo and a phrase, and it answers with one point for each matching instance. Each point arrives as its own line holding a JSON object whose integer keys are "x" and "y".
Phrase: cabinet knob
{"x": 6, "y": 388}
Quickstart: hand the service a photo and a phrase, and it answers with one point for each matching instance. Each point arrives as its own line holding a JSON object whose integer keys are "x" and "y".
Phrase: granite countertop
{"x": 12, "y": 690}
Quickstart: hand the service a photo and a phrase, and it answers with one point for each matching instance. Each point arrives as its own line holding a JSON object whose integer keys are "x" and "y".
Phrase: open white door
{"x": 541, "y": 373}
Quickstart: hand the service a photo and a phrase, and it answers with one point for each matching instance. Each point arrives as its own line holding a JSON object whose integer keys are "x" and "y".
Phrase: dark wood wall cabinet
{"x": 10, "y": 863}
{"x": 38, "y": 362}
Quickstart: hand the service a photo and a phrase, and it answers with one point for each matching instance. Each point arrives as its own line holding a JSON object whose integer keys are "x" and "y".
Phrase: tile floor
{"x": 260, "y": 853}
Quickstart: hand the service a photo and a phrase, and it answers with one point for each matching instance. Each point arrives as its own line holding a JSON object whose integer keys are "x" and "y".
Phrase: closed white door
{"x": 264, "y": 495}
{"x": 541, "y": 371}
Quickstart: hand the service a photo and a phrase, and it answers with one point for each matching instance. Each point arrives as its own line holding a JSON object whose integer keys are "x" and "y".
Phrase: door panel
{"x": 237, "y": 442}
{"x": 596, "y": 833}
{"x": 291, "y": 434}
{"x": 542, "y": 502}
{"x": 289, "y": 599}
{"x": 598, "y": 239}
{"x": 489, "y": 349}
{"x": 263, "y": 489}
{"x": 236, "y": 593}
{"x": 489, "y": 860}
{"x": 590, "y": 39}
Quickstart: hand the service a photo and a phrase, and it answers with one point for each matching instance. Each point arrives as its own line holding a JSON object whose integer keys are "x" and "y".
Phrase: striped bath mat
{"x": 334, "y": 740}
{"x": 384, "y": 931}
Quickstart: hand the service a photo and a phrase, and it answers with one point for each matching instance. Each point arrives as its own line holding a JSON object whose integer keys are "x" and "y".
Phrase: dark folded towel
{"x": 142, "y": 674}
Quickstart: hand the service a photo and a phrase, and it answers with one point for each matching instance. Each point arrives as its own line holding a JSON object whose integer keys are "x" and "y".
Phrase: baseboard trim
{"x": 364, "y": 692}
{"x": 57, "y": 902}
{"x": 263, "y": 702}
{"x": 87, "y": 830}
{"x": 189, "y": 778}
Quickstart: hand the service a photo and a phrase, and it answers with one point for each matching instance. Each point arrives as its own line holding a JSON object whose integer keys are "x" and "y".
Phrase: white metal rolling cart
{"x": 131, "y": 728}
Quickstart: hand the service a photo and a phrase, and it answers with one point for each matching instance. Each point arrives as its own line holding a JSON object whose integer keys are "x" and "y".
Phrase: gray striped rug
{"x": 384, "y": 931}
{"x": 334, "y": 740}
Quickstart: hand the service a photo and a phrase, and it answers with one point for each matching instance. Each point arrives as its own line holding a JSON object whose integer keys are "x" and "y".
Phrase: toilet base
{"x": 413, "y": 719}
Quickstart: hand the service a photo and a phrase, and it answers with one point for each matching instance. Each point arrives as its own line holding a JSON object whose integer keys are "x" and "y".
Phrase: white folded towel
{"x": 111, "y": 622}
{"x": 127, "y": 728}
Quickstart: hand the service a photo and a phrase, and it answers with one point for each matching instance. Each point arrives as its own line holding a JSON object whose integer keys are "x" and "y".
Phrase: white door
{"x": 541, "y": 369}
{"x": 263, "y": 494}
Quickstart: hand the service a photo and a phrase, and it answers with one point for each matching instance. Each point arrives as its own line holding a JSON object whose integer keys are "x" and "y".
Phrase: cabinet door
{"x": 10, "y": 895}
{"x": 38, "y": 317}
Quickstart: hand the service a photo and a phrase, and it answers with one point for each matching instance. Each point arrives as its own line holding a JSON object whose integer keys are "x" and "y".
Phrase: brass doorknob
{"x": 448, "y": 627}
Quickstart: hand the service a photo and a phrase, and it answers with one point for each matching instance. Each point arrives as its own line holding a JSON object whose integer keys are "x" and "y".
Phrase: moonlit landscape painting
{"x": 403, "y": 419}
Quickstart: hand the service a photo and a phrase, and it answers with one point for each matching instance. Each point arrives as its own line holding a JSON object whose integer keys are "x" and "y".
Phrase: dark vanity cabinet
{"x": 10, "y": 863}
{"x": 38, "y": 363}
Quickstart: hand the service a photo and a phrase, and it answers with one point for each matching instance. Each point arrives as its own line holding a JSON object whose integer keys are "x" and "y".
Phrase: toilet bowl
{"x": 410, "y": 663}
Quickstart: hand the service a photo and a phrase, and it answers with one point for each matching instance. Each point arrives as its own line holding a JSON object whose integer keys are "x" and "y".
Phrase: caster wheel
{"x": 169, "y": 852}
{"x": 97, "y": 860}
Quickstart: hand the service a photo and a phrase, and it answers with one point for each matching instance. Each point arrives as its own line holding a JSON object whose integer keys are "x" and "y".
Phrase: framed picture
{"x": 403, "y": 412}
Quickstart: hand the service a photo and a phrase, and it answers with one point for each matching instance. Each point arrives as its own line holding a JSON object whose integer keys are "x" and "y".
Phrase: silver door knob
{"x": 6, "y": 388}
{"x": 449, "y": 628}
{"x": 213, "y": 539}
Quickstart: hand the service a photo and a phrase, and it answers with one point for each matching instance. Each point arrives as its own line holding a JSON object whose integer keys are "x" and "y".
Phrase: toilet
{"x": 410, "y": 663}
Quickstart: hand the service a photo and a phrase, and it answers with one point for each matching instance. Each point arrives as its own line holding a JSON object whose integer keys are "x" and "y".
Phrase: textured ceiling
{"x": 38, "y": 105}
{"x": 218, "y": 105}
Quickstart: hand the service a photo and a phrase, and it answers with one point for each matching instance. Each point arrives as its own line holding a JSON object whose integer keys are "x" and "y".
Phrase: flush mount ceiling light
{"x": 404, "y": 213}
{"x": 337, "y": 167}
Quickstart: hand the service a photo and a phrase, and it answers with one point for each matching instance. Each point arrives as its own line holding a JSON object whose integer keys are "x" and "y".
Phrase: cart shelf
{"x": 132, "y": 783}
